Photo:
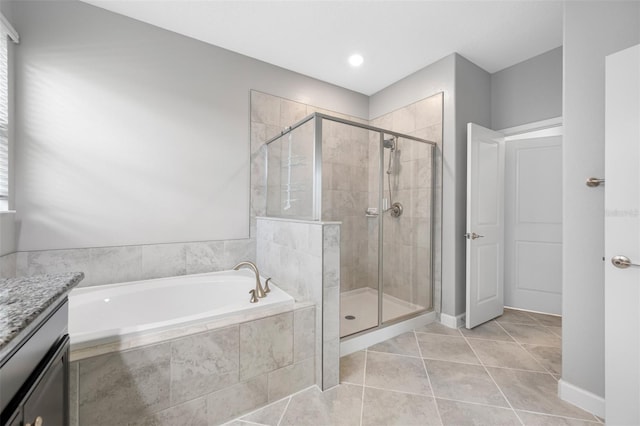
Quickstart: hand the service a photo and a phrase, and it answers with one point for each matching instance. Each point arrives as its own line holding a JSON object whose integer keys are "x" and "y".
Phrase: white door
{"x": 533, "y": 221}
{"x": 622, "y": 237}
{"x": 485, "y": 225}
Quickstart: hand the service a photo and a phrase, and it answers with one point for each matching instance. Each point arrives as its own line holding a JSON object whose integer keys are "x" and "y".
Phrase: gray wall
{"x": 473, "y": 104}
{"x": 527, "y": 92}
{"x": 129, "y": 134}
{"x": 592, "y": 30}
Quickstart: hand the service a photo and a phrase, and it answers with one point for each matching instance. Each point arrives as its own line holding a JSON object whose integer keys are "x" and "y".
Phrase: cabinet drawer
{"x": 17, "y": 369}
{"x": 48, "y": 400}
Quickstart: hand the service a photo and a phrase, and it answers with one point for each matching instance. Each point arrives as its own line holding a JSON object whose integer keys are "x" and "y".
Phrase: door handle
{"x": 622, "y": 262}
{"x": 472, "y": 236}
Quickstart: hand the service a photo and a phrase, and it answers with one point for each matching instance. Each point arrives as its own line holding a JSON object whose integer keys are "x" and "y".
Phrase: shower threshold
{"x": 362, "y": 305}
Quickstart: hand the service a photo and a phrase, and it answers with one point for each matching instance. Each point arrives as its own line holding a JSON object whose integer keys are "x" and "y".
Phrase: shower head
{"x": 390, "y": 143}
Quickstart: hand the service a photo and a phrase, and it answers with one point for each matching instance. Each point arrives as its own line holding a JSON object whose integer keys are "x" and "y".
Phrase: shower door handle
{"x": 472, "y": 236}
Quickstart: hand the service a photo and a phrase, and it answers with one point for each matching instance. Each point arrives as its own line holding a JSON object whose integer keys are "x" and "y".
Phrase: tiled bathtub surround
{"x": 108, "y": 265}
{"x": 304, "y": 260}
{"x": 203, "y": 378}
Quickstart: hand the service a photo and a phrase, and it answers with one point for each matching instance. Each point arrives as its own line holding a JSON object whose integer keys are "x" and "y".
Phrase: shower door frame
{"x": 317, "y": 201}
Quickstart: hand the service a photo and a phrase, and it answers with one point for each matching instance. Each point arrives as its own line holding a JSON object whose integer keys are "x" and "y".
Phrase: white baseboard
{"x": 363, "y": 341}
{"x": 451, "y": 321}
{"x": 581, "y": 398}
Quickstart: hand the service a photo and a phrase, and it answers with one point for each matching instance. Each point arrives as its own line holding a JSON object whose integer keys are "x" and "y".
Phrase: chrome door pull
{"x": 622, "y": 262}
{"x": 472, "y": 236}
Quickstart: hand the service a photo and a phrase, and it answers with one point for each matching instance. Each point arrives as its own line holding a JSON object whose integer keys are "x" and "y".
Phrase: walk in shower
{"x": 380, "y": 185}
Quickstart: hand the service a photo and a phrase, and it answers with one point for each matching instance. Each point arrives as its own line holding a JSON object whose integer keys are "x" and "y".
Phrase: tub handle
{"x": 266, "y": 285}
{"x": 254, "y": 298}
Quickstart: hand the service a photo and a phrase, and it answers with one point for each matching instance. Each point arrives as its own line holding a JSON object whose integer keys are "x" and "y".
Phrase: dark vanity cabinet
{"x": 34, "y": 380}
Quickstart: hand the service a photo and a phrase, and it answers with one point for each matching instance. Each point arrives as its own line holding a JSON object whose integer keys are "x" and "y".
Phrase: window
{"x": 4, "y": 116}
{"x": 6, "y": 32}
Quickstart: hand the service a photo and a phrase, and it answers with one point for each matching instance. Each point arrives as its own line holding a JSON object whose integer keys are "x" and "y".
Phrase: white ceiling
{"x": 396, "y": 38}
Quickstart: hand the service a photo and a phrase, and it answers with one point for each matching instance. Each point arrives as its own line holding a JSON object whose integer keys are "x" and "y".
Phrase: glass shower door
{"x": 407, "y": 224}
{"x": 350, "y": 195}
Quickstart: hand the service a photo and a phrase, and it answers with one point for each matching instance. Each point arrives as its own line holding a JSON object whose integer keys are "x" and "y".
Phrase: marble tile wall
{"x": 8, "y": 266}
{"x": 206, "y": 378}
{"x": 303, "y": 258}
{"x": 107, "y": 265}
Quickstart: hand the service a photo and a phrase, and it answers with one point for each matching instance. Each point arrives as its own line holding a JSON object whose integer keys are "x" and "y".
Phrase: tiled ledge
{"x": 308, "y": 222}
{"x": 138, "y": 340}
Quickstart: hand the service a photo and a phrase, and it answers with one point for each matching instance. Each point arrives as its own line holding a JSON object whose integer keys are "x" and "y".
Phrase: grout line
{"x": 249, "y": 422}
{"x": 529, "y": 353}
{"x": 475, "y": 403}
{"x": 399, "y": 391}
{"x": 364, "y": 379}
{"x": 561, "y": 417}
{"x": 286, "y": 407}
{"x": 393, "y": 353}
{"x": 424, "y": 365}
{"x": 494, "y": 382}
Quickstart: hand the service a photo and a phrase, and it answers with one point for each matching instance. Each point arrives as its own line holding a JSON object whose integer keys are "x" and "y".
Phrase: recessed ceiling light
{"x": 356, "y": 60}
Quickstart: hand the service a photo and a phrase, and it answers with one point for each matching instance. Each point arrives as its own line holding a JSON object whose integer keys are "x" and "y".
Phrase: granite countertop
{"x": 23, "y": 299}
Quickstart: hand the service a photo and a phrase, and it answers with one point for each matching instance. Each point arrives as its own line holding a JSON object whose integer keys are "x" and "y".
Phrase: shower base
{"x": 362, "y": 304}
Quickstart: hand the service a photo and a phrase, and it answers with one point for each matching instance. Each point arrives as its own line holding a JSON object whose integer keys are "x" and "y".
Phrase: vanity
{"x": 34, "y": 349}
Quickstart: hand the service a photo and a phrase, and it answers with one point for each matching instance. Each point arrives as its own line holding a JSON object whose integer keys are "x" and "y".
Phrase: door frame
{"x": 542, "y": 128}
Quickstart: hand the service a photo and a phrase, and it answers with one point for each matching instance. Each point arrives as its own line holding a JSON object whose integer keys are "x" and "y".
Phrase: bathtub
{"x": 116, "y": 312}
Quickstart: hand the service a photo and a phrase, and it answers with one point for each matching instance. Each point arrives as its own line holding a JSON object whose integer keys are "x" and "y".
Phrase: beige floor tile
{"x": 338, "y": 406}
{"x": 352, "y": 368}
{"x": 437, "y": 328}
{"x": 463, "y": 382}
{"x": 516, "y": 317}
{"x": 534, "y": 392}
{"x": 269, "y": 415}
{"x": 547, "y": 320}
{"x": 549, "y": 357}
{"x": 504, "y": 354}
{"x": 446, "y": 348}
{"x": 534, "y": 419}
{"x": 404, "y": 344}
{"x": 396, "y": 372}
{"x": 489, "y": 330}
{"x": 532, "y": 334}
{"x": 456, "y": 413}
{"x": 390, "y": 408}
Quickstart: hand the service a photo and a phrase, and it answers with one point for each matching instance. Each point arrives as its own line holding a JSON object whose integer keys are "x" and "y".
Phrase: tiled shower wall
{"x": 407, "y": 240}
{"x": 345, "y": 174}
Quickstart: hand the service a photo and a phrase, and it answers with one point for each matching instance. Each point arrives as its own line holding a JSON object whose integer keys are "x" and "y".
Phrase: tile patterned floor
{"x": 504, "y": 372}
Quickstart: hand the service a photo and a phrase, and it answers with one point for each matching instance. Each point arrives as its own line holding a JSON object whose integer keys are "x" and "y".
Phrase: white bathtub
{"x": 113, "y": 312}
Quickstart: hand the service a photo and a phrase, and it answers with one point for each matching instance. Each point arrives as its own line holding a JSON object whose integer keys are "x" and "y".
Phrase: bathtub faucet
{"x": 259, "y": 291}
